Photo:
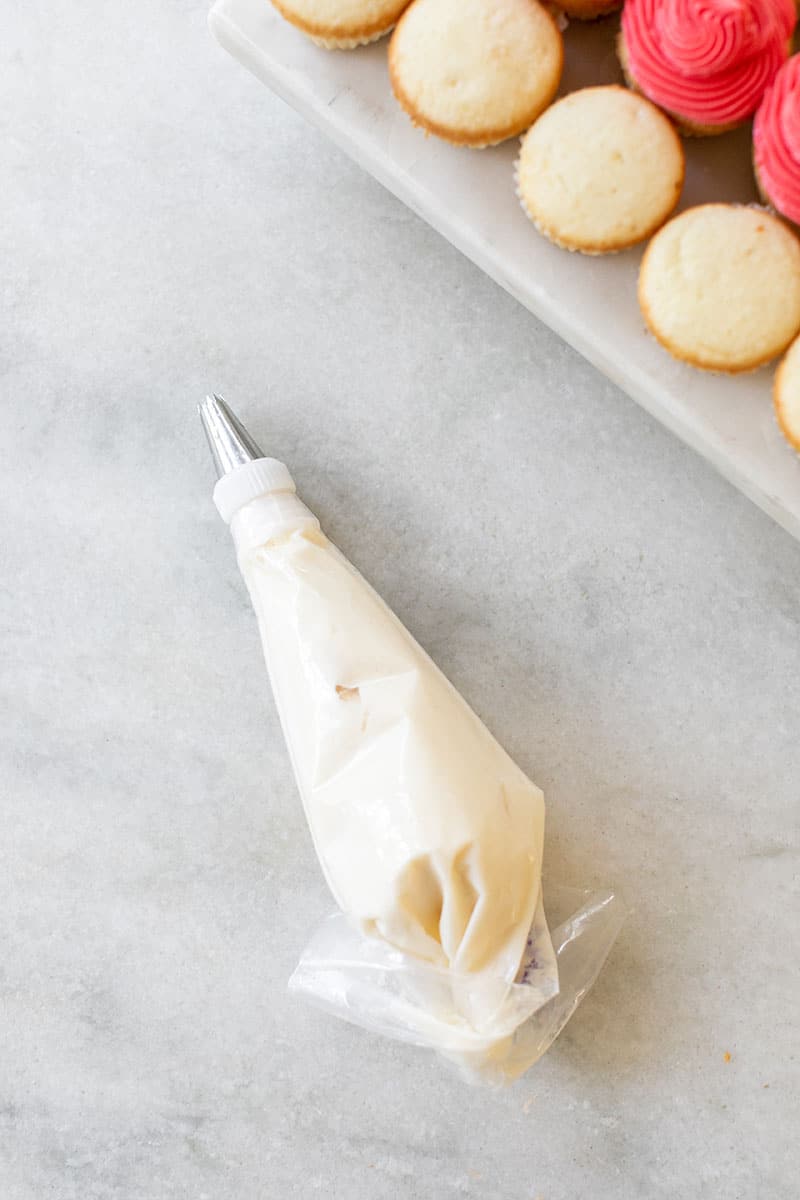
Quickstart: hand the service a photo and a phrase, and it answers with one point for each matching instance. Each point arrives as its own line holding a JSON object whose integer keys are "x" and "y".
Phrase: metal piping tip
{"x": 230, "y": 444}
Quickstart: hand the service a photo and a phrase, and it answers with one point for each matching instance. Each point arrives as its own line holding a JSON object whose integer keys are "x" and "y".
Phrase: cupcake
{"x": 786, "y": 394}
{"x": 342, "y": 24}
{"x": 705, "y": 62}
{"x": 776, "y": 142}
{"x": 719, "y": 287}
{"x": 600, "y": 170}
{"x": 475, "y": 72}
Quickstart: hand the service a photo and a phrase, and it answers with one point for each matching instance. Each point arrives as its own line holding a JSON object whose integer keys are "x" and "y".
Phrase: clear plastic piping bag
{"x": 430, "y": 837}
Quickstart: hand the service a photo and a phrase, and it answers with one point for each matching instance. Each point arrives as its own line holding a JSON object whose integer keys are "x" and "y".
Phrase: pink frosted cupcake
{"x": 705, "y": 62}
{"x": 776, "y": 142}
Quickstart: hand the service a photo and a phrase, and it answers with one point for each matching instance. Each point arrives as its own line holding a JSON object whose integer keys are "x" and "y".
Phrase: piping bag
{"x": 429, "y": 836}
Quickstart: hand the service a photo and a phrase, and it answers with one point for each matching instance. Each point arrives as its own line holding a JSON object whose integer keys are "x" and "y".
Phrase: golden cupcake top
{"x": 475, "y": 72}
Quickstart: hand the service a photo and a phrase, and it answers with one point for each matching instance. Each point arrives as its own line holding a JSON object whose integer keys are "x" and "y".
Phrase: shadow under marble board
{"x": 468, "y": 196}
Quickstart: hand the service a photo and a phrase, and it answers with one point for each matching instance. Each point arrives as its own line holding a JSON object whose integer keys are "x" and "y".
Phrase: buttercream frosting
{"x": 706, "y": 61}
{"x": 776, "y": 141}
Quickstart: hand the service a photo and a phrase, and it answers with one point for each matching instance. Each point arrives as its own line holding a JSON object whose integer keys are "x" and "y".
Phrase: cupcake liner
{"x": 365, "y": 36}
{"x": 351, "y": 43}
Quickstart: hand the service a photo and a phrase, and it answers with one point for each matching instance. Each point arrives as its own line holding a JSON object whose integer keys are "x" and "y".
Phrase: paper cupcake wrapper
{"x": 350, "y": 43}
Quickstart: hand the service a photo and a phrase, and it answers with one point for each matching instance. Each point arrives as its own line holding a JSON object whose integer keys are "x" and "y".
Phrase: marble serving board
{"x": 468, "y": 196}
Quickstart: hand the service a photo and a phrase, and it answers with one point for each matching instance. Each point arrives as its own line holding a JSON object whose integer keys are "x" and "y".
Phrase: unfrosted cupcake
{"x": 786, "y": 394}
{"x": 475, "y": 72}
{"x": 776, "y": 142}
{"x": 719, "y": 286}
{"x": 342, "y": 24}
{"x": 706, "y": 62}
{"x": 600, "y": 170}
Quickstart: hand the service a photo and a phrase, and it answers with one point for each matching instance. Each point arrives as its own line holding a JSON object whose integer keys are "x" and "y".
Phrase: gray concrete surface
{"x": 623, "y": 620}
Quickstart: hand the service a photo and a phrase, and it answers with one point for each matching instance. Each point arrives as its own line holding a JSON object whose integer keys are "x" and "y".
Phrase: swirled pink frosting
{"x": 707, "y": 61}
{"x": 776, "y": 141}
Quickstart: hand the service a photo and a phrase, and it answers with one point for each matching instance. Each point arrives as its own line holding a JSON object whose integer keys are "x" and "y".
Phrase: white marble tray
{"x": 469, "y": 197}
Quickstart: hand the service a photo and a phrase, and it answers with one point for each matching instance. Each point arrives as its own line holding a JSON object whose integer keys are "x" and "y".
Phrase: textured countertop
{"x": 624, "y": 621}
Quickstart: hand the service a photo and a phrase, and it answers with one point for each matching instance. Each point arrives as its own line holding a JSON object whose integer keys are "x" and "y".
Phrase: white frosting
{"x": 429, "y": 836}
